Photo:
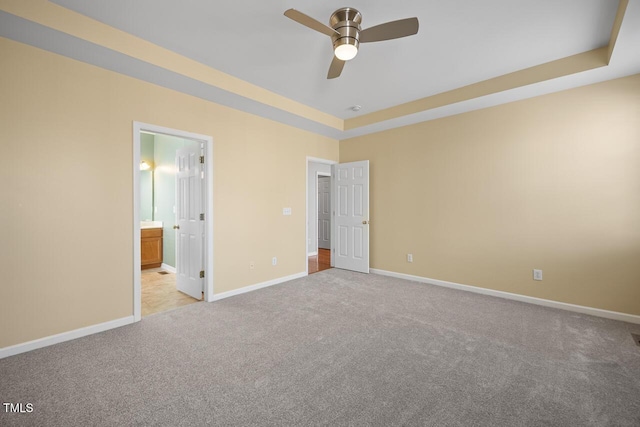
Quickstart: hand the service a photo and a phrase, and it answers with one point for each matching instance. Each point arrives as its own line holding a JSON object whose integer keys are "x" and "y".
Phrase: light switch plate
{"x": 537, "y": 274}
{"x": 286, "y": 211}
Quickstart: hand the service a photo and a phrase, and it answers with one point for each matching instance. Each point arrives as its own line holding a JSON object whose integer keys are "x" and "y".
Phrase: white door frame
{"x": 306, "y": 228}
{"x": 208, "y": 205}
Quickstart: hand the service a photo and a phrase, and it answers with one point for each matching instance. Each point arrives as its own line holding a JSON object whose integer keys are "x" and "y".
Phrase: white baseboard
{"x": 257, "y": 286}
{"x": 312, "y": 254}
{"x": 631, "y": 318}
{"x": 64, "y": 336}
{"x": 168, "y": 268}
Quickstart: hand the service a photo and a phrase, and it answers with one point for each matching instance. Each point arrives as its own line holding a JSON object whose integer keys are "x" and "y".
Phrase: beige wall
{"x": 66, "y": 166}
{"x": 484, "y": 197}
{"x": 480, "y": 198}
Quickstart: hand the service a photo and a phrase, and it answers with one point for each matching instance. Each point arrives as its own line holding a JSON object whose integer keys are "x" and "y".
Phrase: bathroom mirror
{"x": 146, "y": 195}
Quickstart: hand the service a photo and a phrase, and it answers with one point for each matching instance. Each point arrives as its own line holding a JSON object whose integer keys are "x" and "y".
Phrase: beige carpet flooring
{"x": 338, "y": 348}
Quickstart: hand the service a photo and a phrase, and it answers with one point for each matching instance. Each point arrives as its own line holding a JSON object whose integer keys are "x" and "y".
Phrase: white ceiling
{"x": 460, "y": 42}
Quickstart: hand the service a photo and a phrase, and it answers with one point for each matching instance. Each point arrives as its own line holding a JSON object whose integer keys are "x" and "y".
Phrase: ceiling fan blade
{"x": 336, "y": 68}
{"x": 390, "y": 30}
{"x": 308, "y": 21}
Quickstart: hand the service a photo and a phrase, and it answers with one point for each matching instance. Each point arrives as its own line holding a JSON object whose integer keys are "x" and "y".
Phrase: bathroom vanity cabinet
{"x": 151, "y": 247}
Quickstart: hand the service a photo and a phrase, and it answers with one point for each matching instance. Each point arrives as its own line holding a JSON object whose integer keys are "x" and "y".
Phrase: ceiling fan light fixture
{"x": 346, "y": 33}
{"x": 345, "y": 52}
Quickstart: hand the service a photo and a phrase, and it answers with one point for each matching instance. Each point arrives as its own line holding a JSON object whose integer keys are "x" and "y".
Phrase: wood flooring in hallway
{"x": 320, "y": 262}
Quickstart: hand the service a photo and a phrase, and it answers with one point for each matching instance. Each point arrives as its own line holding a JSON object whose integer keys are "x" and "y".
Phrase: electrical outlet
{"x": 537, "y": 274}
{"x": 274, "y": 261}
{"x": 409, "y": 257}
{"x": 252, "y": 265}
{"x": 286, "y": 211}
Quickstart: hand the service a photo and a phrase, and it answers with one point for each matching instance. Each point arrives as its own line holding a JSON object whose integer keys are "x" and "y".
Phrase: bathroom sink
{"x": 150, "y": 224}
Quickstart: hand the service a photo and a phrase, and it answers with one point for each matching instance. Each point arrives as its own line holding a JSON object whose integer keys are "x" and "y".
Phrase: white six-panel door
{"x": 190, "y": 231}
{"x": 351, "y": 190}
{"x": 324, "y": 212}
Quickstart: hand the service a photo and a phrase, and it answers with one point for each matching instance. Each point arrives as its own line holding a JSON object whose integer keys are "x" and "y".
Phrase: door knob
{"x": 365, "y": 222}
{"x": 176, "y": 227}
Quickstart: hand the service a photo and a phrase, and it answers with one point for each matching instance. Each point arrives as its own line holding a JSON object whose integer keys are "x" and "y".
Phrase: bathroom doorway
{"x": 172, "y": 219}
{"x": 162, "y": 158}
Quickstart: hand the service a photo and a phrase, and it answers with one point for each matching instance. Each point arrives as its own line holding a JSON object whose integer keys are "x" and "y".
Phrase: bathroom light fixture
{"x": 144, "y": 165}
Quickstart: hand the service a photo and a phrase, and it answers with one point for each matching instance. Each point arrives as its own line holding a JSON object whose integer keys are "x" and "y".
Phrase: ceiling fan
{"x": 346, "y": 34}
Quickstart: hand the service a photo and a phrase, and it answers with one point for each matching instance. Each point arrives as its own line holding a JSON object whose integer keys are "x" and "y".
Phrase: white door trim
{"x": 306, "y": 228}
{"x": 208, "y": 182}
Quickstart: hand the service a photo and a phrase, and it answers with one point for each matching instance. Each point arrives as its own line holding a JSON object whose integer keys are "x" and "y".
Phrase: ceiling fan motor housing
{"x": 346, "y": 21}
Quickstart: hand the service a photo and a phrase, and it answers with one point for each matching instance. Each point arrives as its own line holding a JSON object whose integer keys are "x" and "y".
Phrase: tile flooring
{"x": 159, "y": 292}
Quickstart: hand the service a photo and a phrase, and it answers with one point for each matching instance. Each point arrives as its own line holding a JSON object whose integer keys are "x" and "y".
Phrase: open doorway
{"x": 161, "y": 158}
{"x": 319, "y": 215}
{"x": 172, "y": 219}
